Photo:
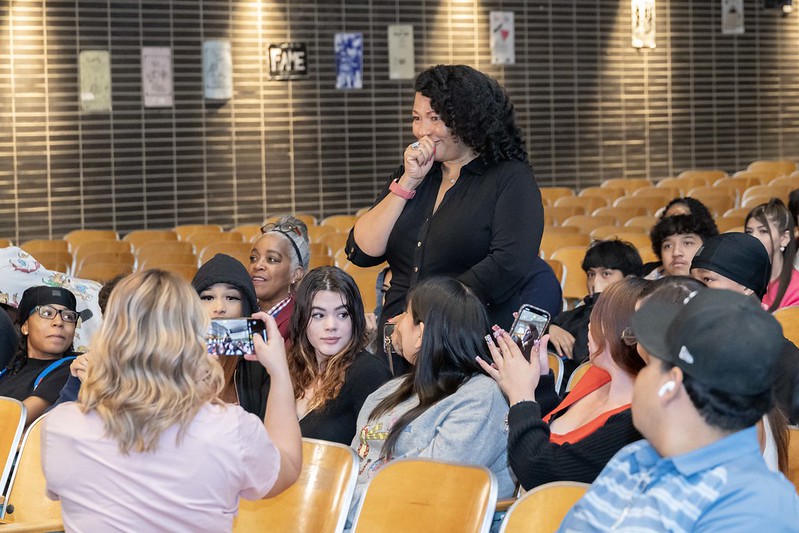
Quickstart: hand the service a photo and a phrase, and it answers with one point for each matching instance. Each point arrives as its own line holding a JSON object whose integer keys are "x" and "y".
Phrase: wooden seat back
{"x": 317, "y": 503}
{"x": 425, "y": 495}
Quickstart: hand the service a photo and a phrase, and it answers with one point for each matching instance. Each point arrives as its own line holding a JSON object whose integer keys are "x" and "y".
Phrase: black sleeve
{"x": 69, "y": 392}
{"x": 51, "y": 385}
{"x": 545, "y": 394}
{"x": 516, "y": 230}
{"x": 354, "y": 253}
{"x": 8, "y": 339}
{"x": 535, "y": 460}
{"x": 786, "y": 386}
{"x": 366, "y": 375}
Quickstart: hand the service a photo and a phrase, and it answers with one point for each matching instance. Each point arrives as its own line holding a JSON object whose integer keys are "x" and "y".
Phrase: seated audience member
{"x": 735, "y": 261}
{"x": 40, "y": 367}
{"x": 574, "y": 441}
{"x": 278, "y": 261}
{"x": 79, "y": 366}
{"x": 605, "y": 263}
{"x": 331, "y": 371}
{"x": 675, "y": 240}
{"x": 772, "y": 224}
{"x": 20, "y": 271}
{"x": 149, "y": 446}
{"x": 226, "y": 291}
{"x": 445, "y": 408}
{"x": 710, "y": 367}
{"x": 773, "y": 428}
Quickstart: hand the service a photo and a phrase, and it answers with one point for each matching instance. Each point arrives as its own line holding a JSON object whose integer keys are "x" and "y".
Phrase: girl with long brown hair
{"x": 330, "y": 369}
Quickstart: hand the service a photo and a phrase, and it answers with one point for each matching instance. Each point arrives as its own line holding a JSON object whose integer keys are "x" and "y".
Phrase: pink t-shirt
{"x": 791, "y": 296}
{"x": 224, "y": 454}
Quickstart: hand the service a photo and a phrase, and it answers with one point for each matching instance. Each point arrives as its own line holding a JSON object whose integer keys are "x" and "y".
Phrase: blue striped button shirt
{"x": 725, "y": 486}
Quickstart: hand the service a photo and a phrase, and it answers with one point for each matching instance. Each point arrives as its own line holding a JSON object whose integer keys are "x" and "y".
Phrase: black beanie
{"x": 222, "y": 268}
{"x": 739, "y": 257}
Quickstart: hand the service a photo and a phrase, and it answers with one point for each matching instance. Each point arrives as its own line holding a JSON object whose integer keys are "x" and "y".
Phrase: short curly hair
{"x": 695, "y": 207}
{"x": 681, "y": 225}
{"x": 476, "y": 109}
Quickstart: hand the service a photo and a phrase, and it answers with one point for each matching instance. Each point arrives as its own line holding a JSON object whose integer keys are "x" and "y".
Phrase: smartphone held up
{"x": 529, "y": 326}
{"x": 233, "y": 336}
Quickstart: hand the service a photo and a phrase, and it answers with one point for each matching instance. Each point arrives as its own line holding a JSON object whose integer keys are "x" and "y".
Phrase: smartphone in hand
{"x": 529, "y": 326}
{"x": 233, "y": 336}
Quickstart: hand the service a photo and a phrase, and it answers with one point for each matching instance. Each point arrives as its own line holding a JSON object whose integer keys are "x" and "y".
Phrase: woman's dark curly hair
{"x": 475, "y": 109}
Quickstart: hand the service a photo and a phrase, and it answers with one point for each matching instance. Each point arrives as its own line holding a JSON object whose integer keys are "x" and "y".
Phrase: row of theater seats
{"x": 101, "y": 255}
{"x": 627, "y": 208}
{"x": 421, "y": 495}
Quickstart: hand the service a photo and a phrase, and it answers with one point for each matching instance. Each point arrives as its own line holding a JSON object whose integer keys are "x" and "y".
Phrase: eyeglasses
{"x": 286, "y": 228}
{"x": 628, "y": 337}
{"x": 49, "y": 313}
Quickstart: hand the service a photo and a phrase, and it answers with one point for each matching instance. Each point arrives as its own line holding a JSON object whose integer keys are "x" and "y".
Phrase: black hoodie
{"x": 252, "y": 381}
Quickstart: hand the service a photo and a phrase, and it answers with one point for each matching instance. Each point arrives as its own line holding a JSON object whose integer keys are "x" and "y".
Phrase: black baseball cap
{"x": 721, "y": 338}
{"x": 45, "y": 295}
{"x": 737, "y": 256}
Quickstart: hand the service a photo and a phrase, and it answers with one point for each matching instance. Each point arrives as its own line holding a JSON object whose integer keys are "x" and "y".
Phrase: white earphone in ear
{"x": 666, "y": 387}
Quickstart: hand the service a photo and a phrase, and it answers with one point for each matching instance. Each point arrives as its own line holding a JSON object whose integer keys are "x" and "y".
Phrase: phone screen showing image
{"x": 530, "y": 325}
{"x": 233, "y": 336}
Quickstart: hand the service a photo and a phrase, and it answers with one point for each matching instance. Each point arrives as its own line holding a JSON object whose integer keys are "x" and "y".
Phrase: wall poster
{"x": 503, "y": 38}
{"x": 156, "y": 76}
{"x": 732, "y": 17}
{"x": 94, "y": 67}
{"x": 401, "y": 62}
{"x": 349, "y": 60}
{"x": 217, "y": 70}
{"x": 643, "y": 24}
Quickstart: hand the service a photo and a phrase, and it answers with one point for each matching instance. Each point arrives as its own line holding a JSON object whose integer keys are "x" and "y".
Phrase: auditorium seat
{"x": 79, "y": 236}
{"x": 426, "y": 495}
{"x": 12, "y": 424}
{"x": 26, "y": 494}
{"x": 610, "y": 194}
{"x": 317, "y": 502}
{"x": 543, "y": 508}
{"x": 550, "y": 194}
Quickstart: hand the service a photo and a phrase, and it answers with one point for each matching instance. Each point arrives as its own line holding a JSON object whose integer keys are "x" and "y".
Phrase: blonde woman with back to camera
{"x": 149, "y": 446}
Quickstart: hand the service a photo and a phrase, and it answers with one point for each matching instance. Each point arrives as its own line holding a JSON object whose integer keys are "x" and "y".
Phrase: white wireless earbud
{"x": 666, "y": 387}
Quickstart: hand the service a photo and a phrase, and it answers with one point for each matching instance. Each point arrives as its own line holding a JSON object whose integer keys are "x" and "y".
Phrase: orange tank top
{"x": 593, "y": 379}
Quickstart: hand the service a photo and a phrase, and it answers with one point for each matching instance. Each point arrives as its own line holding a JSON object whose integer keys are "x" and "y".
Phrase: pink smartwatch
{"x": 397, "y": 189}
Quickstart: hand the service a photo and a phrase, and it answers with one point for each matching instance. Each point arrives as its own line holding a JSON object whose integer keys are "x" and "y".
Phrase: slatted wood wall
{"x": 592, "y": 107}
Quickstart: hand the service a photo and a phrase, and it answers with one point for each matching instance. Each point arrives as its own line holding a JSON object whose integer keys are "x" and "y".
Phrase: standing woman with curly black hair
{"x": 463, "y": 204}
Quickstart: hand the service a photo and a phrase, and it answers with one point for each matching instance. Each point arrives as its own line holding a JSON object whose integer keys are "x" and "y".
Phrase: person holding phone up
{"x": 148, "y": 421}
{"x": 226, "y": 291}
{"x": 574, "y": 441}
{"x": 463, "y": 203}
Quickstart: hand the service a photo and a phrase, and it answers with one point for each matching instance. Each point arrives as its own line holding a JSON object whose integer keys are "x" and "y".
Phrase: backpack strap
{"x": 52, "y": 366}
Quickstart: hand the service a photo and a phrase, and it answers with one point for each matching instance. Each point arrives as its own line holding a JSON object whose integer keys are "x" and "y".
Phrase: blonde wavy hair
{"x": 150, "y": 368}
